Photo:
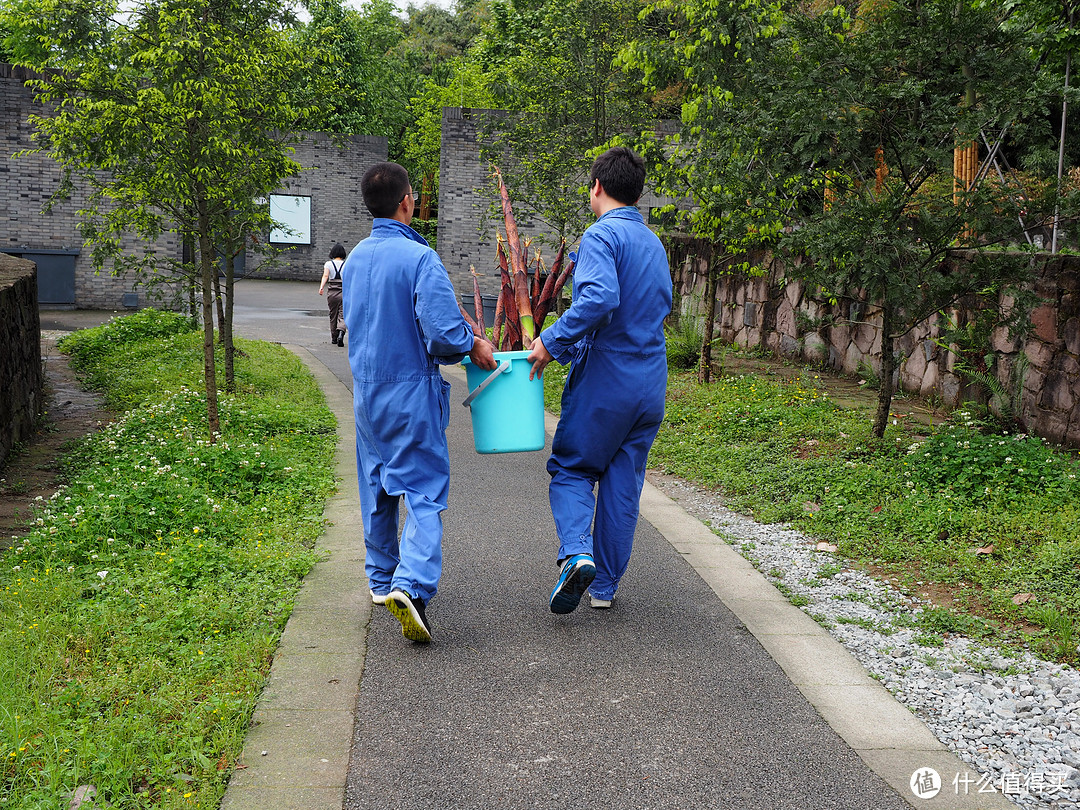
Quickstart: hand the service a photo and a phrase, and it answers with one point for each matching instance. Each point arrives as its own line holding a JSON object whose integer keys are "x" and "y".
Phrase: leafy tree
{"x": 873, "y": 105}
{"x": 465, "y": 86}
{"x": 435, "y": 49}
{"x": 830, "y": 132}
{"x": 358, "y": 56}
{"x": 177, "y": 115}
{"x": 1057, "y": 41}
{"x": 436, "y": 37}
{"x": 712, "y": 161}
{"x": 551, "y": 68}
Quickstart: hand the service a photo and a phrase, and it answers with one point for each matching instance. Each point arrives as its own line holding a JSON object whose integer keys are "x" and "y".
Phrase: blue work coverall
{"x": 613, "y": 400}
{"x": 403, "y": 320}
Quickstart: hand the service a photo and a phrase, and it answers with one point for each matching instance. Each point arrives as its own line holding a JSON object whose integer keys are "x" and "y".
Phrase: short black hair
{"x": 622, "y": 174}
{"x": 383, "y": 187}
{"x": 338, "y": 251}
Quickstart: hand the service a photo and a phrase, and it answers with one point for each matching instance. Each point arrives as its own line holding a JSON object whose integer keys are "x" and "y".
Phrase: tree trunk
{"x": 209, "y": 270}
{"x": 227, "y": 321}
{"x": 1061, "y": 150}
{"x": 220, "y": 307}
{"x": 191, "y": 271}
{"x": 705, "y": 362}
{"x": 888, "y": 367}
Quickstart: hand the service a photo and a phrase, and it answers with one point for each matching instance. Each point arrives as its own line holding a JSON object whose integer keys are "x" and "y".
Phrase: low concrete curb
{"x": 296, "y": 755}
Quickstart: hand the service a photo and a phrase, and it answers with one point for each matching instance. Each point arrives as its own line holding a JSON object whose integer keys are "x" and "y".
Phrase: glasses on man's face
{"x": 415, "y": 196}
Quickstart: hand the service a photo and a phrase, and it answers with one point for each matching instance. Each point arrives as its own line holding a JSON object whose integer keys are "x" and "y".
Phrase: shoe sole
{"x": 377, "y": 598}
{"x": 568, "y": 594}
{"x": 412, "y": 626}
{"x": 599, "y": 604}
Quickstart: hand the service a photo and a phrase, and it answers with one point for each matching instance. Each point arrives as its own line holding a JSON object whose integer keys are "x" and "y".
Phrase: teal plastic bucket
{"x": 507, "y": 407}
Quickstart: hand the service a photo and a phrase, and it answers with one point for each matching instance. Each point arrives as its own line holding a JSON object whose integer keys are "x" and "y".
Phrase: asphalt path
{"x": 664, "y": 701}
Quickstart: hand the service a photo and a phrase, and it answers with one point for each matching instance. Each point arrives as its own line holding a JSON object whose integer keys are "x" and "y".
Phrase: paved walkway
{"x": 702, "y": 688}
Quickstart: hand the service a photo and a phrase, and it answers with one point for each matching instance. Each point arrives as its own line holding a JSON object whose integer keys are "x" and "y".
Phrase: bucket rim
{"x": 518, "y": 355}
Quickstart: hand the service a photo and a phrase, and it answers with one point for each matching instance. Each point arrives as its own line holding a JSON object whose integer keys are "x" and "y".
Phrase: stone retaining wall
{"x": 1041, "y": 370}
{"x": 21, "y": 378}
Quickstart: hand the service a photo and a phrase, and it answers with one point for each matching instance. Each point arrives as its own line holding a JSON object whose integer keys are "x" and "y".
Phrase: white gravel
{"x": 1015, "y": 719}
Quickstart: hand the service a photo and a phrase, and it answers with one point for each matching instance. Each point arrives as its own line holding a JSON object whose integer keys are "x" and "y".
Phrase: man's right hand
{"x": 483, "y": 355}
{"x": 539, "y": 357}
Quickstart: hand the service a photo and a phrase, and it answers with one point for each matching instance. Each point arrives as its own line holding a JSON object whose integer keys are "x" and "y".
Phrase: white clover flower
{"x": 102, "y": 574}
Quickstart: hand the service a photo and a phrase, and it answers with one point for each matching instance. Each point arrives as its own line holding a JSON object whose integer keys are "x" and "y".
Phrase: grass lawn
{"x": 139, "y": 616}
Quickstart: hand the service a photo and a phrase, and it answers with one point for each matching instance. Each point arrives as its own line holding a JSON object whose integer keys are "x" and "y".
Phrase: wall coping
{"x": 13, "y": 269}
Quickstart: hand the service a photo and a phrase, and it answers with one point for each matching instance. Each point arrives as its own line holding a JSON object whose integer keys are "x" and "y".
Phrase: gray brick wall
{"x": 465, "y": 238}
{"x": 333, "y": 169}
{"x": 332, "y": 180}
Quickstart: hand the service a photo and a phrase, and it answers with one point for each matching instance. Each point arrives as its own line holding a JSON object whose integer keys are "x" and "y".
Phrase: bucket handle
{"x": 503, "y": 366}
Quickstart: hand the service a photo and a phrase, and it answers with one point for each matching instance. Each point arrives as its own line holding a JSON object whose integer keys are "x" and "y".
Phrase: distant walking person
{"x": 404, "y": 321}
{"x": 331, "y": 282}
{"x": 613, "y": 399}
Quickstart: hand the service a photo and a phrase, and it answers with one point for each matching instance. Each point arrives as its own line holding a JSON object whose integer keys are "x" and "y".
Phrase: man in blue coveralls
{"x": 613, "y": 400}
{"x": 403, "y": 320}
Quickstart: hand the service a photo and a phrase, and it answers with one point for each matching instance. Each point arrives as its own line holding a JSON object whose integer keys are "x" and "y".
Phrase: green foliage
{"x": 703, "y": 64}
{"x": 551, "y": 68}
{"x": 372, "y": 82}
{"x": 461, "y": 84}
{"x": 89, "y": 346}
{"x": 992, "y": 514}
{"x": 429, "y": 229}
{"x": 683, "y": 343}
{"x": 831, "y": 132}
{"x": 982, "y": 467}
{"x": 175, "y": 116}
{"x": 159, "y": 577}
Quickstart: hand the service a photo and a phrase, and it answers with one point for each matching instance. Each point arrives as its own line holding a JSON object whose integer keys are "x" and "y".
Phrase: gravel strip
{"x": 1014, "y": 719}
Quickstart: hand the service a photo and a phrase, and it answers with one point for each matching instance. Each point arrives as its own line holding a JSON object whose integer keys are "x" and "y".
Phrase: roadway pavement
{"x": 703, "y": 687}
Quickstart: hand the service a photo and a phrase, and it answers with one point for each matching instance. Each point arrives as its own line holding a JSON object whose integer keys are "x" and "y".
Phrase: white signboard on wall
{"x": 293, "y": 215}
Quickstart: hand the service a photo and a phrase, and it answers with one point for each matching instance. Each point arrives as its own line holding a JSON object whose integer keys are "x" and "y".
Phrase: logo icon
{"x": 925, "y": 783}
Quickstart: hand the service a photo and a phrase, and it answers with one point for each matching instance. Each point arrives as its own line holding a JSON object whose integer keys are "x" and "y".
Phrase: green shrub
{"x": 683, "y": 344}
{"x": 140, "y": 613}
{"x": 88, "y": 345}
{"x": 994, "y": 466}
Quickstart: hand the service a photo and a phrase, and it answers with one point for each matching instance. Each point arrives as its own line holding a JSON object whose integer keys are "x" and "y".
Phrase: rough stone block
{"x": 951, "y": 387}
{"x": 785, "y": 319}
{"x": 1038, "y": 354}
{"x": 1044, "y": 323}
{"x": 930, "y": 380}
{"x": 1055, "y": 394}
{"x": 815, "y": 349}
{"x": 914, "y": 370}
{"x": 789, "y": 346}
{"x": 853, "y": 358}
{"x": 863, "y": 337}
{"x": 1070, "y": 333}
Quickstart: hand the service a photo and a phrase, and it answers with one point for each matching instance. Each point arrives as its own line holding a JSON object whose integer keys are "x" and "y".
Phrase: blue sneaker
{"x": 574, "y": 579}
